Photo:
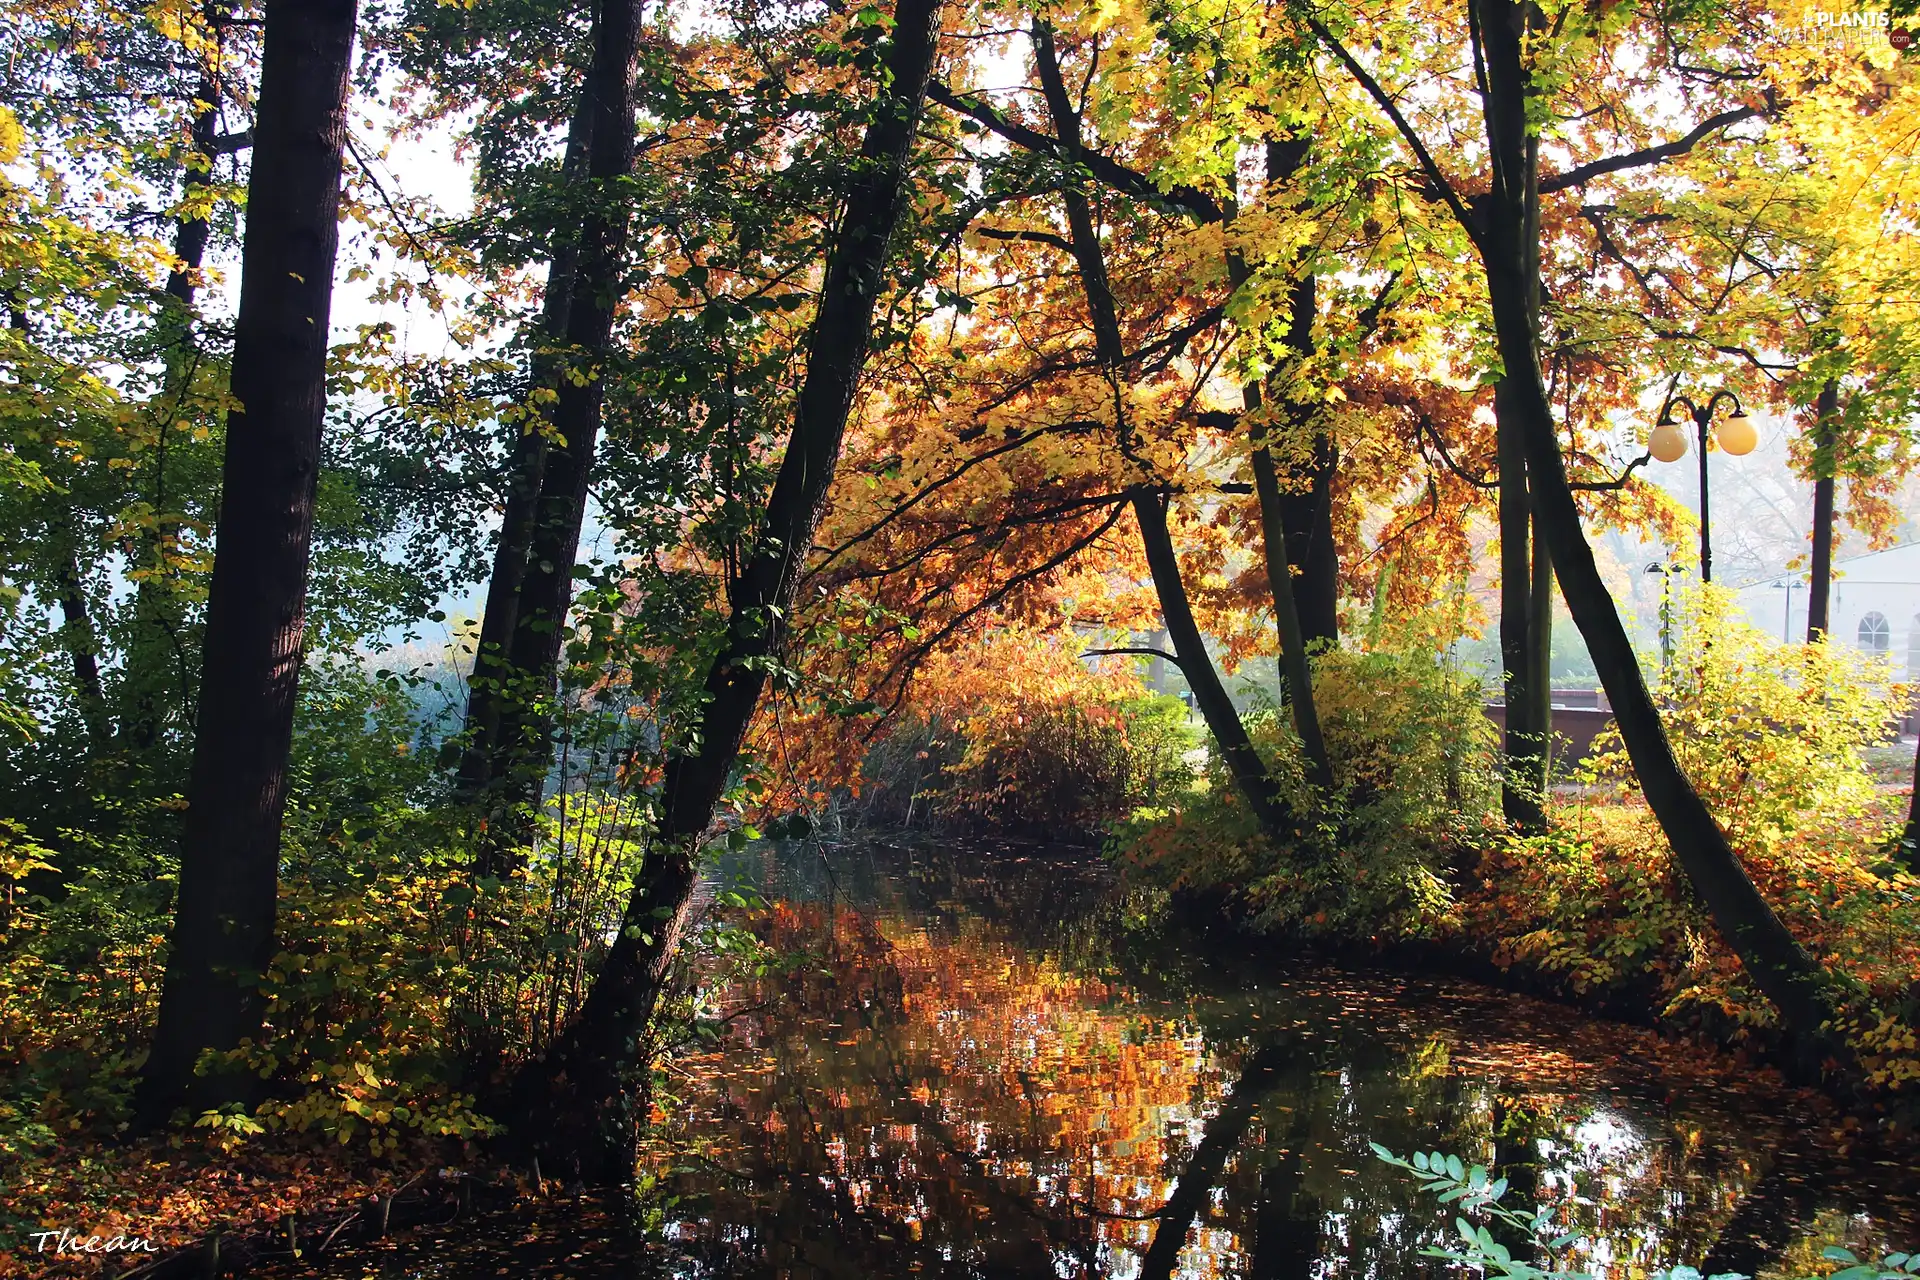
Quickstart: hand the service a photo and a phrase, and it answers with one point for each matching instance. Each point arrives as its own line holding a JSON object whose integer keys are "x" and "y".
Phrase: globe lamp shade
{"x": 1667, "y": 442}
{"x": 1737, "y": 436}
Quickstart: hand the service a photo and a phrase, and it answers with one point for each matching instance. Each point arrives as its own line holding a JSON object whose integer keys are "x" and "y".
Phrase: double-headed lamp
{"x": 1735, "y": 435}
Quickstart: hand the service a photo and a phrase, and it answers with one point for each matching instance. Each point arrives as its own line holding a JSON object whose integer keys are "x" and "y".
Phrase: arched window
{"x": 1875, "y": 635}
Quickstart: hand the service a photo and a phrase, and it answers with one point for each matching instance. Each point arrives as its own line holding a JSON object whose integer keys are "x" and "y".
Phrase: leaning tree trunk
{"x": 1820, "y": 583}
{"x": 1244, "y": 765}
{"x": 540, "y": 539}
{"x": 1210, "y": 696}
{"x": 1795, "y": 983}
{"x": 492, "y": 686}
{"x": 576, "y": 1104}
{"x": 1282, "y": 551}
{"x": 222, "y": 936}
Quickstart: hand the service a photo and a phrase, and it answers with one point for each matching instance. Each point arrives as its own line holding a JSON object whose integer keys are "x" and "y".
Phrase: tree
{"x": 530, "y": 589}
{"x": 1504, "y": 39}
{"x": 223, "y": 933}
{"x": 577, "y": 1103}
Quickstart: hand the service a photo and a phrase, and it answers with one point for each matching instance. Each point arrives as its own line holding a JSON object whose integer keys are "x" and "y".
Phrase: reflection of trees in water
{"x": 942, "y": 1094}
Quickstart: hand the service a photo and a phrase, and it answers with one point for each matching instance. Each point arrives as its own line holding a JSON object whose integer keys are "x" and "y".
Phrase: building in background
{"x": 1875, "y": 606}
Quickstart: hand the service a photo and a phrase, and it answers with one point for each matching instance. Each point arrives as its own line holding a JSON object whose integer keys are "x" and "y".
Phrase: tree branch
{"x": 1104, "y": 169}
{"x": 1379, "y": 95}
{"x": 1174, "y": 658}
{"x": 1034, "y": 237}
{"x": 1582, "y": 174}
{"x": 1618, "y": 482}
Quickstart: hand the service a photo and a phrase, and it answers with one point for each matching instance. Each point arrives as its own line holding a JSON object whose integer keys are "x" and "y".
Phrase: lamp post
{"x": 1666, "y": 572}
{"x": 1669, "y": 444}
{"x": 1786, "y": 615}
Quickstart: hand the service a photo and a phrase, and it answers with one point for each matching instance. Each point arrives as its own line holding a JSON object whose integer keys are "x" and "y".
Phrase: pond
{"x": 993, "y": 1063}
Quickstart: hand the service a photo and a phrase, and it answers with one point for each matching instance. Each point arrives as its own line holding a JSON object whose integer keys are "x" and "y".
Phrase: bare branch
{"x": 1104, "y": 169}
{"x": 1427, "y": 163}
{"x": 1174, "y": 658}
{"x": 1582, "y": 174}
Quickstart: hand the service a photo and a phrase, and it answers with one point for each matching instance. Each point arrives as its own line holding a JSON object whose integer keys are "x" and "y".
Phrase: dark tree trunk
{"x": 1521, "y": 798}
{"x": 154, "y": 672}
{"x": 1820, "y": 584}
{"x": 1279, "y": 546}
{"x": 190, "y": 234}
{"x": 1304, "y": 508}
{"x": 1243, "y": 762}
{"x": 576, "y": 1104}
{"x": 488, "y": 689}
{"x": 1780, "y": 967}
{"x": 1540, "y": 653}
{"x": 1216, "y": 708}
{"x": 546, "y": 593}
{"x": 503, "y": 763}
{"x": 223, "y": 925}
{"x": 83, "y": 652}
{"x": 1910, "y": 837}
{"x": 1308, "y": 516}
{"x": 1295, "y": 666}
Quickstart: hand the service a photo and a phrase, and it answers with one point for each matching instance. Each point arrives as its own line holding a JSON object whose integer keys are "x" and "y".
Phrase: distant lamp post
{"x": 1786, "y": 614}
{"x": 1666, "y": 572}
{"x": 1668, "y": 443}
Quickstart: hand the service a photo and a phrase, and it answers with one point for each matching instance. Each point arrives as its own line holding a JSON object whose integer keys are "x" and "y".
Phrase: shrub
{"x": 1770, "y": 734}
{"x": 1019, "y": 734}
{"x": 1413, "y": 761}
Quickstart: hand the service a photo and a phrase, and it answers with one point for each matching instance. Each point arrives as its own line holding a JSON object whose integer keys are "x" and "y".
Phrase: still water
{"x": 991, "y": 1064}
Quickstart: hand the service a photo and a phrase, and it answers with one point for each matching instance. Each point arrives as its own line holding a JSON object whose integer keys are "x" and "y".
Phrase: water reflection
{"x": 975, "y": 1072}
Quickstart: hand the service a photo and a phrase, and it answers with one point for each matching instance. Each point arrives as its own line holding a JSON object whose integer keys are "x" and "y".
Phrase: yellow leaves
{"x": 12, "y": 136}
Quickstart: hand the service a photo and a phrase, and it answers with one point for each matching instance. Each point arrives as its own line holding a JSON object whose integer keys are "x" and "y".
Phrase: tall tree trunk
{"x": 1779, "y": 966}
{"x": 1279, "y": 546}
{"x": 529, "y": 591}
{"x": 154, "y": 675}
{"x": 1307, "y": 514}
{"x": 223, "y": 927}
{"x": 1540, "y": 653}
{"x": 1295, "y": 665}
{"x": 1216, "y": 708}
{"x": 488, "y": 688}
{"x": 1910, "y": 836}
{"x": 1820, "y": 584}
{"x": 1520, "y": 790}
{"x": 576, "y": 1103}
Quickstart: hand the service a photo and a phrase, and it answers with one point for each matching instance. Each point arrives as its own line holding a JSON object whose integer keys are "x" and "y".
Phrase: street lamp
{"x": 1669, "y": 444}
{"x": 1666, "y": 572}
{"x": 1786, "y": 615}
